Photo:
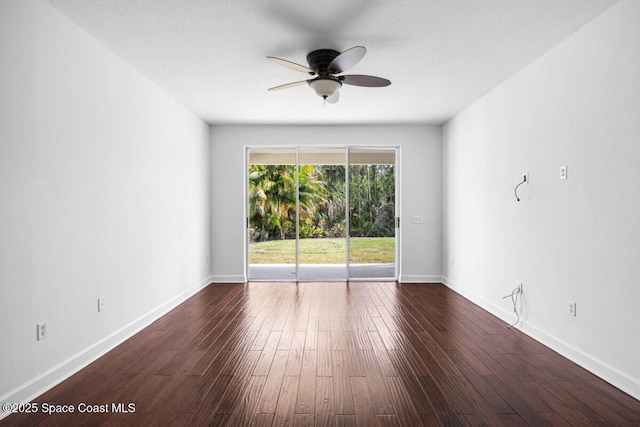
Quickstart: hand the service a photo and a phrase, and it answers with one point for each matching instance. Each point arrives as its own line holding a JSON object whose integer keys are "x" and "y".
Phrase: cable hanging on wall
{"x": 524, "y": 181}
{"x": 514, "y": 299}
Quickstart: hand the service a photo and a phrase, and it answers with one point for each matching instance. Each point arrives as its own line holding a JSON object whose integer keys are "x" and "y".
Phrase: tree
{"x": 271, "y": 191}
{"x": 372, "y": 200}
{"x": 272, "y": 198}
{"x": 332, "y": 212}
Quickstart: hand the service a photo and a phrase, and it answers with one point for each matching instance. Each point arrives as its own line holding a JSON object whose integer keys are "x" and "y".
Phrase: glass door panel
{"x": 271, "y": 212}
{"x": 321, "y": 214}
{"x": 372, "y": 219}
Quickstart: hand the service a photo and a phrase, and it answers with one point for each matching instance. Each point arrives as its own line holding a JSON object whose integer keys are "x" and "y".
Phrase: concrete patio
{"x": 320, "y": 272}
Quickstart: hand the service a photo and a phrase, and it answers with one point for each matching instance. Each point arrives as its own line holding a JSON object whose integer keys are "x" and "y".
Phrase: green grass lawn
{"x": 364, "y": 250}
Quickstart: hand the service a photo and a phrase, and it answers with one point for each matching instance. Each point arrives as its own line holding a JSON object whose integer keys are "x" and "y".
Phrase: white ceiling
{"x": 440, "y": 55}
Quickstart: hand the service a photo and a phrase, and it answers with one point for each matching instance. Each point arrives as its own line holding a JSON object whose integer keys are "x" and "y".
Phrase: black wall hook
{"x": 515, "y": 190}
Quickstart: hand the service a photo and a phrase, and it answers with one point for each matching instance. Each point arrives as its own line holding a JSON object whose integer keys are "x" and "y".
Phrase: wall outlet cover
{"x": 572, "y": 309}
{"x": 563, "y": 172}
{"x": 42, "y": 330}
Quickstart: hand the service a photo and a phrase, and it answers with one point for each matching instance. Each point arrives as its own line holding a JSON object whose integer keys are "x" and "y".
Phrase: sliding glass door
{"x": 271, "y": 214}
{"x": 372, "y": 209}
{"x": 322, "y": 235}
{"x": 325, "y": 213}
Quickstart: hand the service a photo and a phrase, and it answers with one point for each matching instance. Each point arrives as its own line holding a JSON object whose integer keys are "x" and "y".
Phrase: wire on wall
{"x": 514, "y": 299}
{"x": 515, "y": 190}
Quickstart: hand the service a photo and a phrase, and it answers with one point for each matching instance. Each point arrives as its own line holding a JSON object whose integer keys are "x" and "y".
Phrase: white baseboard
{"x": 405, "y": 278}
{"x": 228, "y": 278}
{"x": 621, "y": 380}
{"x": 54, "y": 376}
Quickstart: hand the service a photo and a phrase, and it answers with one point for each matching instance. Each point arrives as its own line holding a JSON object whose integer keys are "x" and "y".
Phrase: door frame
{"x": 347, "y": 147}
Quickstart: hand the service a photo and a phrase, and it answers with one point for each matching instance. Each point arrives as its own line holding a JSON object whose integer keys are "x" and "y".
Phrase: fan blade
{"x": 289, "y": 85}
{"x": 346, "y": 60}
{"x": 291, "y": 65}
{"x": 333, "y": 98}
{"x": 362, "y": 80}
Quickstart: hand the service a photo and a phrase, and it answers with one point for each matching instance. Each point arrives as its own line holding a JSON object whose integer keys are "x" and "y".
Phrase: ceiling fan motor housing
{"x": 320, "y": 59}
{"x": 325, "y": 84}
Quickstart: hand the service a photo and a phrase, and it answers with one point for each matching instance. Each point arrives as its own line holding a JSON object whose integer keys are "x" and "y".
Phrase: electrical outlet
{"x": 100, "y": 304}
{"x": 416, "y": 219}
{"x": 525, "y": 177}
{"x": 42, "y": 330}
{"x": 563, "y": 172}
{"x": 572, "y": 309}
{"x": 521, "y": 289}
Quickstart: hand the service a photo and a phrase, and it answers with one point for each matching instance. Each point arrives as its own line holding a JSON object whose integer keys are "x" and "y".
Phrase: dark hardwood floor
{"x": 334, "y": 354}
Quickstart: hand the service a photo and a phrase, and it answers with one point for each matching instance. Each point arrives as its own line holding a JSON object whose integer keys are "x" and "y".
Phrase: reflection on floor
{"x": 320, "y": 272}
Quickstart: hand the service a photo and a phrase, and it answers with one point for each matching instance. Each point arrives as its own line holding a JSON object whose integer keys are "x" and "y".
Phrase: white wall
{"x": 420, "y": 175}
{"x": 105, "y": 192}
{"x": 579, "y": 239}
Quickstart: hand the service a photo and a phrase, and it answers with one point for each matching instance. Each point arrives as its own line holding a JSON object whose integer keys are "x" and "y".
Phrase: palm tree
{"x": 333, "y": 209}
{"x": 272, "y": 197}
{"x": 312, "y": 191}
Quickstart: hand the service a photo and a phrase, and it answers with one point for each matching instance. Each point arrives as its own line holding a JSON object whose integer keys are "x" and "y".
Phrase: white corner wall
{"x": 566, "y": 240}
{"x": 105, "y": 192}
{"x": 420, "y": 176}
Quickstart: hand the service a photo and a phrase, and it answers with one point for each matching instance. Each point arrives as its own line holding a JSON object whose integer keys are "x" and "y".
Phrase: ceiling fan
{"x": 325, "y": 65}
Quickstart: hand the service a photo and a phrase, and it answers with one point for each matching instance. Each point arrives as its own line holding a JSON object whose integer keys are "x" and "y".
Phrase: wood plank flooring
{"x": 334, "y": 354}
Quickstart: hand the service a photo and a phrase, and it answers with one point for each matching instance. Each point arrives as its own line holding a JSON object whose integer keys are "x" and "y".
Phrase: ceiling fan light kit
{"x": 325, "y": 65}
{"x": 325, "y": 87}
